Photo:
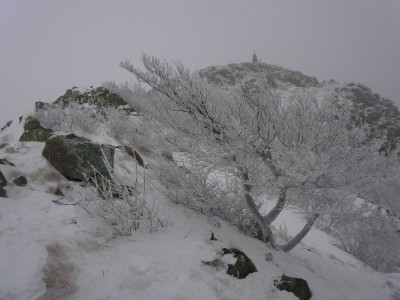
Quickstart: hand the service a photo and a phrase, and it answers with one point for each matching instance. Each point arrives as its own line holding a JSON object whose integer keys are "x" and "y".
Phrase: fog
{"x": 48, "y": 46}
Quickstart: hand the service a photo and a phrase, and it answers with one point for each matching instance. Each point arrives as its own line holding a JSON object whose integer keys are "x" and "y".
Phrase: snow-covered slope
{"x": 167, "y": 264}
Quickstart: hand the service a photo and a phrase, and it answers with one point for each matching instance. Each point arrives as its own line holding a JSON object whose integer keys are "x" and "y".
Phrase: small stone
{"x": 297, "y": 286}
{"x": 243, "y": 265}
{"x": 268, "y": 256}
{"x": 21, "y": 181}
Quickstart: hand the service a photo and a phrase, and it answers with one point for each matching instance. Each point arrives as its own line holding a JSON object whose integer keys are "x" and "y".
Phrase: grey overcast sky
{"x": 48, "y": 46}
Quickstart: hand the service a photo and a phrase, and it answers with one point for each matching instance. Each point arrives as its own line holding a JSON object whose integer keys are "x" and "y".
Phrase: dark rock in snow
{"x": 135, "y": 155}
{"x": 243, "y": 266}
{"x": 8, "y": 124}
{"x": 3, "y": 193}
{"x": 3, "y": 181}
{"x": 268, "y": 256}
{"x": 297, "y": 286}
{"x": 21, "y": 181}
{"x": 5, "y": 162}
{"x": 77, "y": 157}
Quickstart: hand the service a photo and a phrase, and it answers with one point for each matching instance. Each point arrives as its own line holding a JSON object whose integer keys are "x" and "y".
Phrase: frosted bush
{"x": 70, "y": 118}
{"x": 122, "y": 207}
{"x": 203, "y": 193}
{"x": 133, "y": 94}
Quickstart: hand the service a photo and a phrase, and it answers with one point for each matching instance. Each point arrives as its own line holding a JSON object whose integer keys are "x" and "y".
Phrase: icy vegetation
{"x": 220, "y": 184}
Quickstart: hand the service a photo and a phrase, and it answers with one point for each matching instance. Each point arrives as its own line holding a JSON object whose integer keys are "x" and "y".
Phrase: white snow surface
{"x": 166, "y": 264}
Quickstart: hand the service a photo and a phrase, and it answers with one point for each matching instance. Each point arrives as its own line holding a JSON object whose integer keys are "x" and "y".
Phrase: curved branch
{"x": 297, "y": 239}
{"x": 274, "y": 213}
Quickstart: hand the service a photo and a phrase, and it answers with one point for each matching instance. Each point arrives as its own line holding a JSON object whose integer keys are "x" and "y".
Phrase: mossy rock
{"x": 36, "y": 135}
{"x": 135, "y": 155}
{"x": 77, "y": 158}
{"x": 3, "y": 181}
{"x": 32, "y": 124}
{"x": 99, "y": 96}
{"x": 21, "y": 181}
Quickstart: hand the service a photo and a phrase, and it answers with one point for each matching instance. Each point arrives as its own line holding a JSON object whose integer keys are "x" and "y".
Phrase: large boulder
{"x": 77, "y": 157}
{"x": 297, "y": 286}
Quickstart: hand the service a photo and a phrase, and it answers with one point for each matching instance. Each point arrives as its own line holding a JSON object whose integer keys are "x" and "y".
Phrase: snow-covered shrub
{"x": 373, "y": 239}
{"x": 121, "y": 126}
{"x": 122, "y": 207}
{"x": 73, "y": 117}
{"x": 209, "y": 194}
{"x": 134, "y": 94}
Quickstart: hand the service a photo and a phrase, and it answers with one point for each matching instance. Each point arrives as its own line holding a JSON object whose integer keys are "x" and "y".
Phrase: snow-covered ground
{"x": 166, "y": 264}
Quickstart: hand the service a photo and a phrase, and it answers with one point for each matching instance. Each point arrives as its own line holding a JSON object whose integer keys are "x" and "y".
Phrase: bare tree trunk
{"x": 274, "y": 213}
{"x": 268, "y": 236}
{"x": 297, "y": 239}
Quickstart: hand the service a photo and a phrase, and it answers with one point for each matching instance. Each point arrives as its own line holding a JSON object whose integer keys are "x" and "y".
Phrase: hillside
{"x": 381, "y": 114}
{"x": 63, "y": 236}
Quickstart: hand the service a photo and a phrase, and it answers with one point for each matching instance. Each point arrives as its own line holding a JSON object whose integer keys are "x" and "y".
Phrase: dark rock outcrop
{"x": 77, "y": 158}
{"x": 297, "y": 286}
{"x": 243, "y": 265}
{"x": 39, "y": 105}
{"x": 100, "y": 96}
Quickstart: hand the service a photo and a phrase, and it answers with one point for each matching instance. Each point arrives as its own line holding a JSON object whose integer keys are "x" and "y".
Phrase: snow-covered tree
{"x": 301, "y": 145}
